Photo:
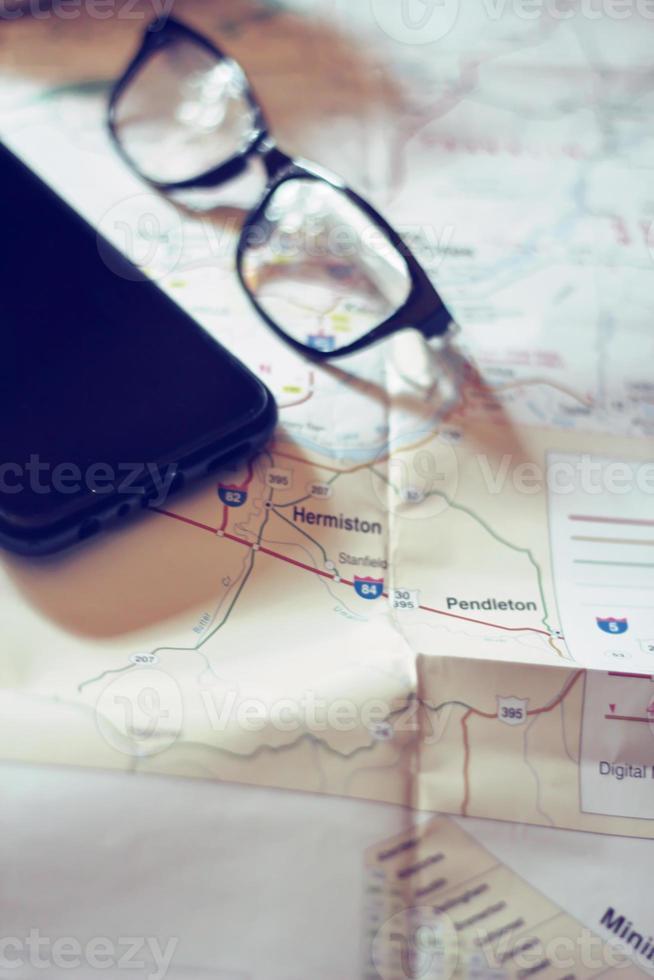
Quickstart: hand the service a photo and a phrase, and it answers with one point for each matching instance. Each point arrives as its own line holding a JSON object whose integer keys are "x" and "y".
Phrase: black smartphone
{"x": 111, "y": 396}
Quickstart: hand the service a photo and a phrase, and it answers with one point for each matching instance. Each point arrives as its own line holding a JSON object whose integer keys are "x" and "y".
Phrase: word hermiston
{"x": 303, "y": 516}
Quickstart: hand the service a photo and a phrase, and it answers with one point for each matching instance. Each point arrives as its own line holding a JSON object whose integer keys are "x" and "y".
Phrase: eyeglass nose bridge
{"x": 275, "y": 160}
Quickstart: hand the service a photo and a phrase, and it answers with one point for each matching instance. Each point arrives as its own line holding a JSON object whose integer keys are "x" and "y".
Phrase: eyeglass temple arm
{"x": 437, "y": 323}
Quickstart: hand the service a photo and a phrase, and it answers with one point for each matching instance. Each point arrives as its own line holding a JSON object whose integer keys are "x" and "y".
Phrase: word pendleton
{"x": 339, "y": 521}
{"x": 490, "y": 604}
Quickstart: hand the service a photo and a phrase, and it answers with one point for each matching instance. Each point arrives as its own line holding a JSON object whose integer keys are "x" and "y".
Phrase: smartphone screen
{"x": 100, "y": 371}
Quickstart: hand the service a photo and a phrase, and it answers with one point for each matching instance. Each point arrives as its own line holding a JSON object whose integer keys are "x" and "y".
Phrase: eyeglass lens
{"x": 316, "y": 263}
{"x": 184, "y": 113}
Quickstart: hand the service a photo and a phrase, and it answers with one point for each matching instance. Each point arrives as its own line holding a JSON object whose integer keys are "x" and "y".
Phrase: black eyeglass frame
{"x": 423, "y": 310}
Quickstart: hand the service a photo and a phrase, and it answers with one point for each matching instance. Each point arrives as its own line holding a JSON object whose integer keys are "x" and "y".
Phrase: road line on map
{"x": 295, "y": 527}
{"x": 649, "y": 721}
{"x": 545, "y": 709}
{"x": 111, "y": 670}
{"x": 466, "y": 763}
{"x": 501, "y": 540}
{"x": 627, "y": 521}
{"x": 567, "y": 687}
{"x": 329, "y": 575}
{"x": 531, "y": 382}
{"x": 483, "y": 622}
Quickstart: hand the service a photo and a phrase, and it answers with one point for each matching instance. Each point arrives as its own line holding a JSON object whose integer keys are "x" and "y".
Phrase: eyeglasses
{"x": 319, "y": 263}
